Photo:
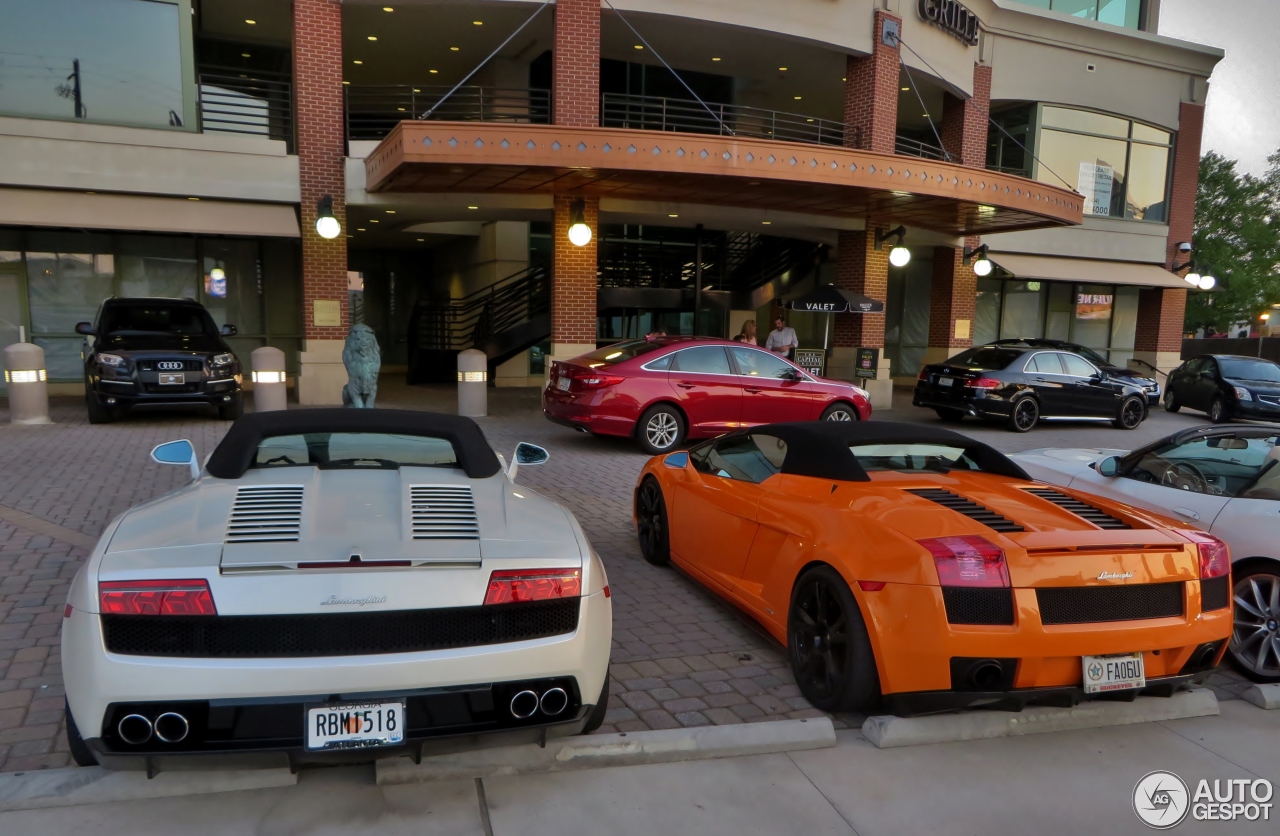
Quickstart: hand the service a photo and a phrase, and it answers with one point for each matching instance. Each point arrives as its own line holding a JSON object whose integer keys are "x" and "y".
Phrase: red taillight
{"x": 968, "y": 560}
{"x": 512, "y": 586}
{"x": 983, "y": 383}
{"x": 592, "y": 379}
{"x": 924, "y": 375}
{"x": 184, "y": 597}
{"x": 1215, "y": 557}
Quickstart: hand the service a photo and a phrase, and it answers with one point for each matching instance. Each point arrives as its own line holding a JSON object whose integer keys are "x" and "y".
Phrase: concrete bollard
{"x": 269, "y": 391}
{"x": 28, "y": 383}
{"x": 473, "y": 383}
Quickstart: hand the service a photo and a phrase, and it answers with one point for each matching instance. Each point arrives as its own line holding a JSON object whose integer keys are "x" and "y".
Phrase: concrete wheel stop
{"x": 888, "y": 732}
{"x": 94, "y": 785}
{"x": 621, "y": 749}
{"x": 1263, "y": 696}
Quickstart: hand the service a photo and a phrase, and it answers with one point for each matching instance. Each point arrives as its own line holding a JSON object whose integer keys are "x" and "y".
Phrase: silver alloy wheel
{"x": 839, "y": 415}
{"x": 661, "y": 430}
{"x": 1256, "y": 640}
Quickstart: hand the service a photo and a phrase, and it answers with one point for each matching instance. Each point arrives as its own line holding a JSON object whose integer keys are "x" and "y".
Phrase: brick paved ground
{"x": 680, "y": 656}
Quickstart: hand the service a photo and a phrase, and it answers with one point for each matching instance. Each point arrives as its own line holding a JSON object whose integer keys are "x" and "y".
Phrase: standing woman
{"x": 748, "y": 333}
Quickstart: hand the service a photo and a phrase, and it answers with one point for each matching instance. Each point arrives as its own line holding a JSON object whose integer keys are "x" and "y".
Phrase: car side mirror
{"x": 526, "y": 453}
{"x": 85, "y": 329}
{"x": 177, "y": 452}
{"x": 1109, "y": 466}
{"x": 229, "y": 330}
{"x": 791, "y": 374}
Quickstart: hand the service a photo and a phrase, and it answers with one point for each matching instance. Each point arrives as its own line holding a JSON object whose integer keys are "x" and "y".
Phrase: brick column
{"x": 871, "y": 94}
{"x": 965, "y": 121}
{"x": 575, "y": 64}
{"x": 861, "y": 268}
{"x": 1162, "y": 311}
{"x": 317, "y": 74}
{"x": 573, "y": 289}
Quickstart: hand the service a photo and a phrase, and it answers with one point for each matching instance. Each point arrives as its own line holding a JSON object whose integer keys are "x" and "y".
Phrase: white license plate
{"x": 167, "y": 379}
{"x": 1120, "y": 672}
{"x": 946, "y": 381}
{"x": 562, "y": 384}
{"x": 355, "y": 725}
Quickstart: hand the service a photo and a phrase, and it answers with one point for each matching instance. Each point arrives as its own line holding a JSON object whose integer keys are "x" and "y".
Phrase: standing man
{"x": 782, "y": 340}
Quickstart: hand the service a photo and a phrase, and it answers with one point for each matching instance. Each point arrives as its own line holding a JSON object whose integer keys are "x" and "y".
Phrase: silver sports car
{"x": 336, "y": 584}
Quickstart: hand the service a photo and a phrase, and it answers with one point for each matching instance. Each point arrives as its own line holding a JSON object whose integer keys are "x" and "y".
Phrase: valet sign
{"x": 1162, "y": 800}
{"x": 953, "y": 17}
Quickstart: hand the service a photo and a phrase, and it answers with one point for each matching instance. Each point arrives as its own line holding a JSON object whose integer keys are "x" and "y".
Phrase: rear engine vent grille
{"x": 443, "y": 512}
{"x": 1095, "y": 604}
{"x": 1080, "y": 508}
{"x": 1215, "y": 593}
{"x": 966, "y": 605}
{"x": 266, "y": 514}
{"x": 969, "y": 508}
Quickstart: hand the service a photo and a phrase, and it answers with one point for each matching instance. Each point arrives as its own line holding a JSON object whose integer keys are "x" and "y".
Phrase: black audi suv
{"x": 1023, "y": 385}
{"x": 158, "y": 351}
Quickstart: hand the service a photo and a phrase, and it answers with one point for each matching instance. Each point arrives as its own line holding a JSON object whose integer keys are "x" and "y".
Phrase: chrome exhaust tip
{"x": 554, "y": 701}
{"x": 524, "y": 705}
{"x": 134, "y": 729}
{"x": 172, "y": 727}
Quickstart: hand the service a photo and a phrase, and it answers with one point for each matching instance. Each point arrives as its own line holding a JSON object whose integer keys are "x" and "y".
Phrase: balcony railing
{"x": 654, "y": 113}
{"x": 373, "y": 110}
{"x": 238, "y": 103}
{"x": 911, "y": 147}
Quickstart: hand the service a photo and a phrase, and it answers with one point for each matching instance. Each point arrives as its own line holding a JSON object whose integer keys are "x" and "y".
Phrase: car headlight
{"x": 115, "y": 361}
{"x": 222, "y": 360}
{"x": 1242, "y": 393}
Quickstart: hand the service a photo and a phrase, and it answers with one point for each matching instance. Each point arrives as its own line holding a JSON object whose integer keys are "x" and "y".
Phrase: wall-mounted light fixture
{"x": 899, "y": 256}
{"x": 579, "y": 232}
{"x": 327, "y": 225}
{"x": 978, "y": 258}
{"x": 1194, "y": 278}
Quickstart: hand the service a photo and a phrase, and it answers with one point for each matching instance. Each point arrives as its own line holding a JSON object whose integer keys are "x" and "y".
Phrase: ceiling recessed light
{"x": 388, "y": 9}
{"x": 359, "y": 229}
{"x": 245, "y": 55}
{"x": 925, "y": 115}
{"x": 797, "y": 98}
{"x": 715, "y": 59}
{"x": 639, "y": 46}
{"x": 473, "y": 207}
{"x": 454, "y": 48}
{"x": 673, "y": 215}
{"x": 782, "y": 69}
{"x": 844, "y": 78}
{"x": 399, "y": 108}
{"x": 422, "y": 239}
{"x": 250, "y": 22}
{"x": 766, "y": 223}
{"x": 905, "y": 89}
{"x": 357, "y": 61}
{"x": 193, "y": 198}
{"x": 477, "y": 23}
{"x": 416, "y": 90}
{"x": 346, "y": 82}
{"x": 391, "y": 211}
{"x": 433, "y": 72}
{"x": 373, "y": 220}
{"x": 373, "y": 37}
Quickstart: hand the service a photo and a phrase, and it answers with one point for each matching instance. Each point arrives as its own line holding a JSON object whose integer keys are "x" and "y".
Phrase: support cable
{"x": 679, "y": 78}
{"x": 916, "y": 87}
{"x": 501, "y": 46}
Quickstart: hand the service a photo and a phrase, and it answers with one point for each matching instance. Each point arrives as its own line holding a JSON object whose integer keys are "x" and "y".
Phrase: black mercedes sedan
{"x": 1144, "y": 381}
{"x": 1226, "y": 386}
{"x": 1023, "y": 385}
{"x": 158, "y": 351}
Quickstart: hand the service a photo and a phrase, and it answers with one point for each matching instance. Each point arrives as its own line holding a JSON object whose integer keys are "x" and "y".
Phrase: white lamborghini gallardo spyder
{"x": 337, "y": 584}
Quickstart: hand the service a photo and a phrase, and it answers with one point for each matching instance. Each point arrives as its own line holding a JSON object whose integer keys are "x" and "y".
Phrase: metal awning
{"x": 1086, "y": 270}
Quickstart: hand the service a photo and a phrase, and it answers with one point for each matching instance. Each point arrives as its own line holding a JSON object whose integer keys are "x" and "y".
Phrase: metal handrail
{"x": 469, "y": 321}
{"x": 373, "y": 110}
{"x": 912, "y": 147}
{"x": 656, "y": 113}
{"x": 239, "y": 103}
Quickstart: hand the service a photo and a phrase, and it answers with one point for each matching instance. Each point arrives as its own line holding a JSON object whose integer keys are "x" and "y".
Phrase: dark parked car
{"x": 1144, "y": 381}
{"x": 1023, "y": 386}
{"x": 158, "y": 351}
{"x": 1226, "y": 386}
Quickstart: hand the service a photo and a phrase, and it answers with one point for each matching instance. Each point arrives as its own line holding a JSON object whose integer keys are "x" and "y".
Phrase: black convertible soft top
{"x": 232, "y": 457}
{"x": 821, "y": 448}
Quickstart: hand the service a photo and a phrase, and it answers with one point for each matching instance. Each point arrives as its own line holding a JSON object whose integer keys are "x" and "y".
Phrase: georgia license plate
{"x": 172, "y": 379}
{"x": 355, "y": 725}
{"x": 1120, "y": 672}
{"x": 946, "y": 381}
{"x": 562, "y": 384}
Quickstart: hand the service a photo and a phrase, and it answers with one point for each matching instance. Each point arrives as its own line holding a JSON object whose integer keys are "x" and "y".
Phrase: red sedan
{"x": 663, "y": 390}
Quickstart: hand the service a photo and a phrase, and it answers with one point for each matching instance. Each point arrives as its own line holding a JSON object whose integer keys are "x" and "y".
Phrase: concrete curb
{"x": 622, "y": 749}
{"x": 892, "y": 732}
{"x": 95, "y": 785}
{"x": 1263, "y": 696}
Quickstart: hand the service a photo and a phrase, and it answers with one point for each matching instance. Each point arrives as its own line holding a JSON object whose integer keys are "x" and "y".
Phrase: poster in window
{"x": 1097, "y": 181}
{"x": 1095, "y": 306}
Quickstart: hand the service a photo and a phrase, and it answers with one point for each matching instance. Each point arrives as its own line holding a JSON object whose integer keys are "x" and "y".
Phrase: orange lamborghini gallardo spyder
{"x": 919, "y": 570}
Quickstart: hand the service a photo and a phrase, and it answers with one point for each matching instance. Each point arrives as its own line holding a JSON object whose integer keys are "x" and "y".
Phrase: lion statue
{"x": 363, "y": 359}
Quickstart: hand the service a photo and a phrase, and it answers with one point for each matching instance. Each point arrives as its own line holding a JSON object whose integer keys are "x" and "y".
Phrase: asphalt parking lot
{"x": 680, "y": 656}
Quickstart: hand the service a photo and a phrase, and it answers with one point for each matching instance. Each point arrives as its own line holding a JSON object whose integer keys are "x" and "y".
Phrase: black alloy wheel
{"x": 1171, "y": 400}
{"x": 660, "y": 429}
{"x": 1255, "y": 642}
{"x": 1024, "y": 415}
{"x": 80, "y": 751}
{"x": 1132, "y": 412}
{"x": 1218, "y": 411}
{"x": 651, "y": 523}
{"x": 827, "y": 640}
{"x": 839, "y": 412}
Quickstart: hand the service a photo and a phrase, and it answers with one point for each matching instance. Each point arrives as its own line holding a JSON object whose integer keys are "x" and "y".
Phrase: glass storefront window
{"x": 1093, "y": 166}
{"x": 1127, "y": 13}
{"x": 10, "y": 297}
{"x": 114, "y": 61}
{"x": 1023, "y": 309}
{"x": 986, "y": 311}
{"x": 1148, "y": 175}
{"x": 1092, "y": 325}
{"x": 232, "y": 284}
